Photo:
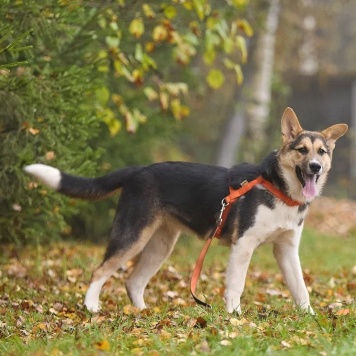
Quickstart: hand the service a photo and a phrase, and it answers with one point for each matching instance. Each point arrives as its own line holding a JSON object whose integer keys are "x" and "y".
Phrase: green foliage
{"x": 46, "y": 116}
{"x": 68, "y": 69}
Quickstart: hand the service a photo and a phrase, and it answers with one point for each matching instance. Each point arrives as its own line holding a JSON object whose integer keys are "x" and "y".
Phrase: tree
{"x": 252, "y": 113}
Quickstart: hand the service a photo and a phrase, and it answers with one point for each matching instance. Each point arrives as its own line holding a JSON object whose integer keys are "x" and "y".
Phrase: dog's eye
{"x": 321, "y": 151}
{"x": 302, "y": 150}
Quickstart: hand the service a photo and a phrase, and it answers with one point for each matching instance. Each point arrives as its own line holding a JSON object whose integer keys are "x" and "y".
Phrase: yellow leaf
{"x": 149, "y": 47}
{"x": 199, "y": 8}
{"x": 150, "y": 93}
{"x": 211, "y": 22}
{"x": 138, "y": 116}
{"x": 241, "y": 45}
{"x": 209, "y": 57}
{"x": 108, "y": 116}
{"x": 165, "y": 335}
{"x": 215, "y": 78}
{"x": 170, "y": 12}
{"x": 136, "y": 27}
{"x": 114, "y": 127}
{"x": 147, "y": 10}
{"x": 137, "y": 76}
{"x": 175, "y": 107}
{"x": 159, "y": 33}
{"x": 117, "y": 99}
{"x": 244, "y": 26}
{"x": 130, "y": 310}
{"x": 163, "y": 99}
{"x": 240, "y": 4}
{"x": 239, "y": 74}
{"x": 228, "y": 45}
{"x": 102, "y": 345}
{"x": 102, "y": 54}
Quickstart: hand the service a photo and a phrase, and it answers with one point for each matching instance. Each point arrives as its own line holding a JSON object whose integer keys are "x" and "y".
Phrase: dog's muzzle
{"x": 309, "y": 178}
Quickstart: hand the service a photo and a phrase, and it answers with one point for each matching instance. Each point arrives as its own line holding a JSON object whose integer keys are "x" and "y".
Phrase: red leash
{"x": 226, "y": 206}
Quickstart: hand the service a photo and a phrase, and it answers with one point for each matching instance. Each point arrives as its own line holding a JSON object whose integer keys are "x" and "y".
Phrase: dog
{"x": 159, "y": 201}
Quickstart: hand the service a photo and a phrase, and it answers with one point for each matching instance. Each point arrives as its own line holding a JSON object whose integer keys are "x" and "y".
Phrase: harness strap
{"x": 226, "y": 206}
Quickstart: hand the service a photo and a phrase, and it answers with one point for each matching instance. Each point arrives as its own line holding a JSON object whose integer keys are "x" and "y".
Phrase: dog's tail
{"x": 81, "y": 187}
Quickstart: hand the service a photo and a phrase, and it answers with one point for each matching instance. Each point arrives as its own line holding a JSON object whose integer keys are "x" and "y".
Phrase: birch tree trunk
{"x": 256, "y": 97}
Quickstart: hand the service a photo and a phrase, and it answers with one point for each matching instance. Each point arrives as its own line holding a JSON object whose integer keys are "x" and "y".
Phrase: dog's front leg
{"x": 287, "y": 256}
{"x": 240, "y": 258}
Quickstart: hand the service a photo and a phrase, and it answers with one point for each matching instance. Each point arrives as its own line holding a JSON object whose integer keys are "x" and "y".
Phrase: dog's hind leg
{"x": 121, "y": 249}
{"x": 153, "y": 255}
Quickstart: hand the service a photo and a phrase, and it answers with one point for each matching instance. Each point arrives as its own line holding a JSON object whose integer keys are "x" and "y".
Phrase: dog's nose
{"x": 315, "y": 167}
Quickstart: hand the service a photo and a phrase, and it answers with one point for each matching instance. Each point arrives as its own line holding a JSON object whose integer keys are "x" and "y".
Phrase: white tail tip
{"x": 48, "y": 175}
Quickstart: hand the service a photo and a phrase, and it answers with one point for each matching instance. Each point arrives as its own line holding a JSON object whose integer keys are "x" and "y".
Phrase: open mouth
{"x": 308, "y": 182}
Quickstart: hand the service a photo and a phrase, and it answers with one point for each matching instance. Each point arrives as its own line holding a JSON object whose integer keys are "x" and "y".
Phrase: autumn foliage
{"x": 74, "y": 74}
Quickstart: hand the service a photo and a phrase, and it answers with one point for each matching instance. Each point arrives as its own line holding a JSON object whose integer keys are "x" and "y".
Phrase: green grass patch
{"x": 42, "y": 291}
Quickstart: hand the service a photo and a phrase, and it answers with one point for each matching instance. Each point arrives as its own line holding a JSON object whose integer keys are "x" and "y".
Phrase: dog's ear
{"x": 334, "y": 132}
{"x": 290, "y": 125}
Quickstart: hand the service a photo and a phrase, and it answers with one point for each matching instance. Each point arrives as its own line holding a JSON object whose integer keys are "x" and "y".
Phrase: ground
{"x": 42, "y": 290}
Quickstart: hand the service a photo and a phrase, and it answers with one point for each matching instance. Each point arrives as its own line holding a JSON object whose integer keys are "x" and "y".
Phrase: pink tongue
{"x": 309, "y": 189}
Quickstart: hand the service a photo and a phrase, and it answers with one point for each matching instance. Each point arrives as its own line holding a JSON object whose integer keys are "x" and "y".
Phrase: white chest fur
{"x": 271, "y": 224}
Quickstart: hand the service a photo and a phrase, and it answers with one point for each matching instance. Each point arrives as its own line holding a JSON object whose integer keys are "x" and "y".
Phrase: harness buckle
{"x": 224, "y": 204}
{"x": 244, "y": 182}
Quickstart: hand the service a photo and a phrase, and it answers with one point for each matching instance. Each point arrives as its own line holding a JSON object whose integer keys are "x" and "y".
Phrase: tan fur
{"x": 291, "y": 129}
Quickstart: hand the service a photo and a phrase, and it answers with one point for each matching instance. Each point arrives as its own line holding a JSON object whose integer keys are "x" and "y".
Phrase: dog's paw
{"x": 92, "y": 307}
{"x": 237, "y": 310}
{"x": 233, "y": 304}
{"x": 92, "y": 304}
{"x": 233, "y": 309}
{"x": 307, "y": 309}
{"x": 310, "y": 310}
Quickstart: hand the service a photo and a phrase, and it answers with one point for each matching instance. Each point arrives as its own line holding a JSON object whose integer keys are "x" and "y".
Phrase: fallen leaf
{"x": 204, "y": 347}
{"x": 200, "y": 323}
{"x": 165, "y": 335}
{"x": 236, "y": 322}
{"x": 163, "y": 323}
{"x": 273, "y": 292}
{"x": 233, "y": 335}
{"x": 102, "y": 345}
{"x": 343, "y": 312}
{"x": 129, "y": 309}
{"x": 50, "y": 155}
{"x": 33, "y": 131}
{"x": 286, "y": 344}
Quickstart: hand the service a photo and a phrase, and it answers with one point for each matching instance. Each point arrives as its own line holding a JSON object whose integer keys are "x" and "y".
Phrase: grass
{"x": 42, "y": 290}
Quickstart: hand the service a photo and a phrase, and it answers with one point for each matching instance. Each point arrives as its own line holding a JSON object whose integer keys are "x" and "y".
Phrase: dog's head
{"x": 305, "y": 156}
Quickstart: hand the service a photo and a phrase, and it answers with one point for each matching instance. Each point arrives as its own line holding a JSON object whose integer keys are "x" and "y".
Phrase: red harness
{"x": 226, "y": 206}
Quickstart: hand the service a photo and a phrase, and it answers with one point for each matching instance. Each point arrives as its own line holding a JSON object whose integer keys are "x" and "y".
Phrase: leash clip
{"x": 224, "y": 204}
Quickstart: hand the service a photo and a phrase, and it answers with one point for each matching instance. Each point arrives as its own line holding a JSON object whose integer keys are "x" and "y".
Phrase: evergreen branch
{"x": 11, "y": 46}
{"x": 14, "y": 64}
